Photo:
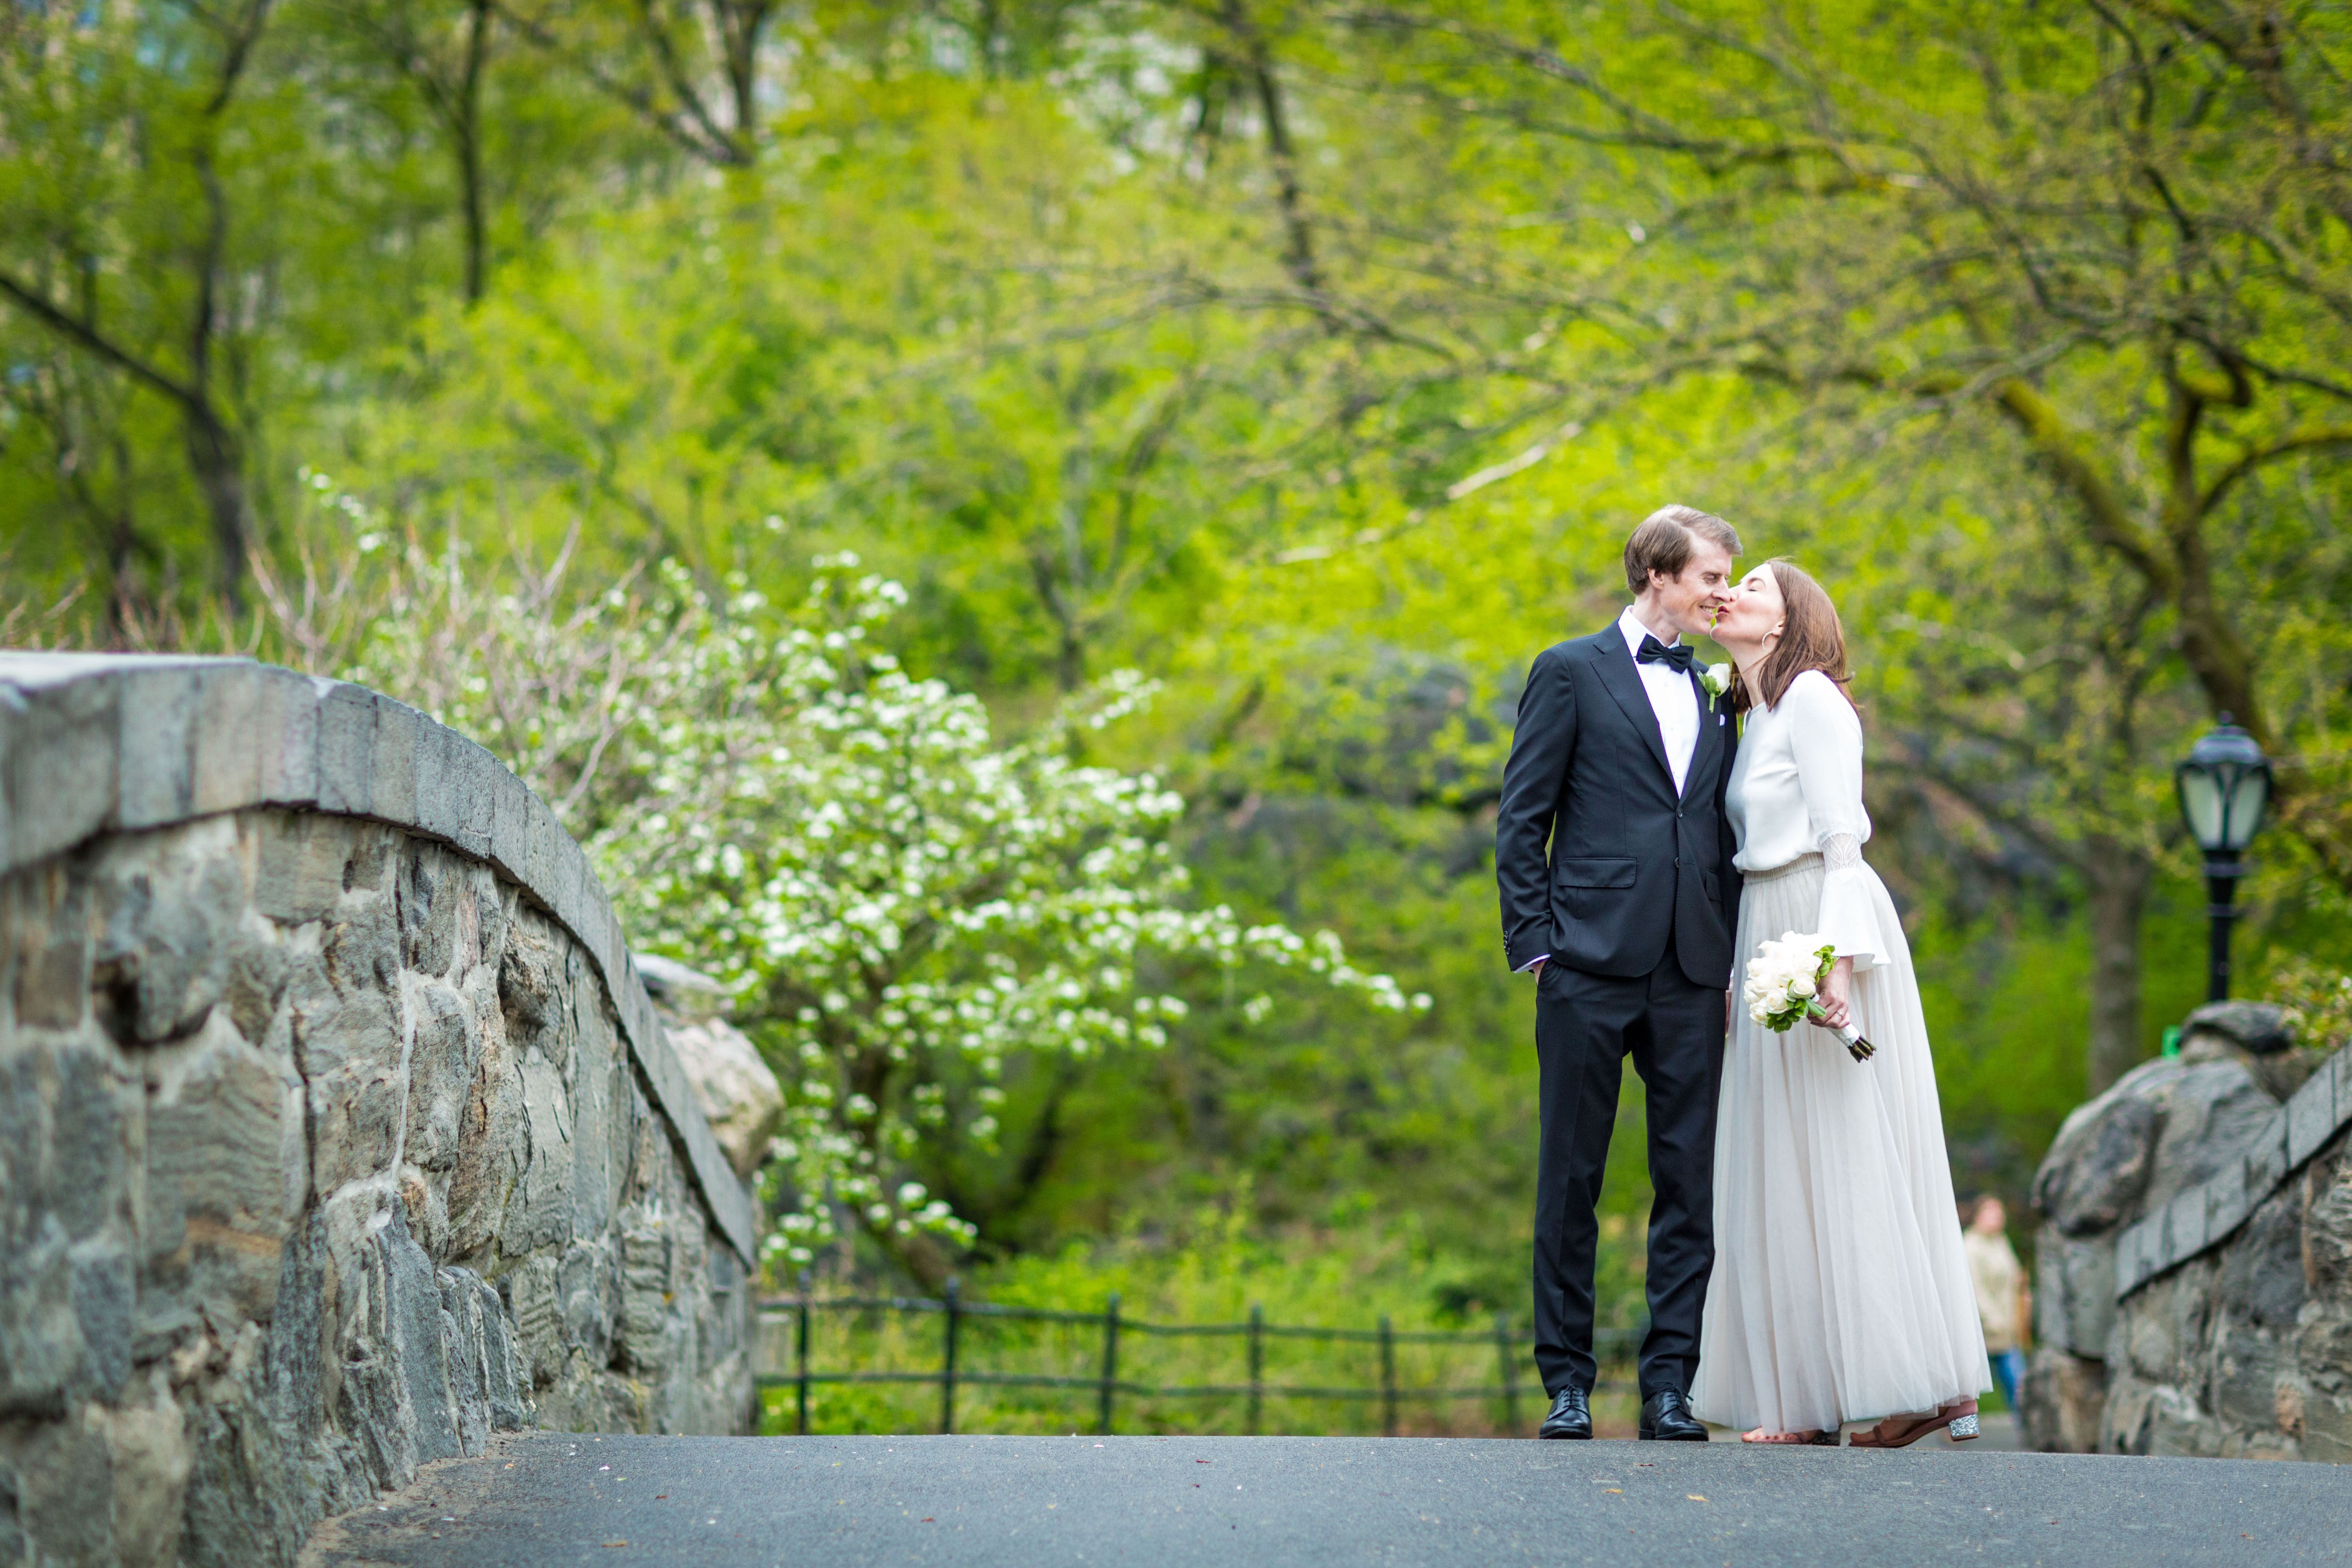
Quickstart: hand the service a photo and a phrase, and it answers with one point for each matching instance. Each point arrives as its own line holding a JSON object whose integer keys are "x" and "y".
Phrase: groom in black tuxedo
{"x": 1614, "y": 861}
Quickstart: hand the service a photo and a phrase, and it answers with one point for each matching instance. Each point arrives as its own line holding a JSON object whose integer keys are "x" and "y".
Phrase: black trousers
{"x": 1586, "y": 1025}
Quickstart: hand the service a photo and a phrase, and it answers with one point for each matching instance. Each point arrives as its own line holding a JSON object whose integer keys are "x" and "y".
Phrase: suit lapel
{"x": 1623, "y": 679}
{"x": 1710, "y": 735}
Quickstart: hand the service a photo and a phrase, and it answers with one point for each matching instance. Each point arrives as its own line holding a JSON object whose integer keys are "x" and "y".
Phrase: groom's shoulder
{"x": 1577, "y": 650}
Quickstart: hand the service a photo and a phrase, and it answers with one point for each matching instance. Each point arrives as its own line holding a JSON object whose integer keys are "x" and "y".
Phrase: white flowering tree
{"x": 898, "y": 901}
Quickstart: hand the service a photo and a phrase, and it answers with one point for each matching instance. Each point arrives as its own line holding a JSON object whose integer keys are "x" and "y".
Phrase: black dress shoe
{"x": 1569, "y": 1417}
{"x": 1667, "y": 1418}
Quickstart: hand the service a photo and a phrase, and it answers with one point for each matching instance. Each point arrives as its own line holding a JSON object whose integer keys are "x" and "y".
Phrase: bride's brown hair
{"x": 1810, "y": 638}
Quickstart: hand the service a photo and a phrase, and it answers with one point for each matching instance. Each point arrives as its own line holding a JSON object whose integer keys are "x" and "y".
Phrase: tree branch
{"x": 2112, "y": 523}
{"x": 2303, "y": 440}
{"x": 34, "y": 304}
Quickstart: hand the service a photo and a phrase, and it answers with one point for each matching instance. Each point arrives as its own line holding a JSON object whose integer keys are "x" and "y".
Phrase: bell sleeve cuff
{"x": 1851, "y": 905}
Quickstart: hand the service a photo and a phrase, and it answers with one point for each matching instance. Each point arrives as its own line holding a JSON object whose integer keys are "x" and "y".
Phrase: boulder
{"x": 738, "y": 1091}
{"x": 2258, "y": 1028}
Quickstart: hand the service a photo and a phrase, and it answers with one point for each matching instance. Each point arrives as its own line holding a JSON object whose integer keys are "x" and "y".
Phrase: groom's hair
{"x": 1666, "y": 539}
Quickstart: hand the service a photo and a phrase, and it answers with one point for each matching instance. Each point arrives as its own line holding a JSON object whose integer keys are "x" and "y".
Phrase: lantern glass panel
{"x": 2201, "y": 803}
{"x": 2248, "y": 795}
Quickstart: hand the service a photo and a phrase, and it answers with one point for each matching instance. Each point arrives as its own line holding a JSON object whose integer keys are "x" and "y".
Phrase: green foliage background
{"x": 1314, "y": 361}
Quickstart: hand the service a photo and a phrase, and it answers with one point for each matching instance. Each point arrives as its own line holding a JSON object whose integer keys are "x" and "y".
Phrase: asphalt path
{"x": 1232, "y": 1502}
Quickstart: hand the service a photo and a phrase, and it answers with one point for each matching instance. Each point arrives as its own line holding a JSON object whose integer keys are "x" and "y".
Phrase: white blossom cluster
{"x": 884, "y": 889}
{"x": 1785, "y": 975}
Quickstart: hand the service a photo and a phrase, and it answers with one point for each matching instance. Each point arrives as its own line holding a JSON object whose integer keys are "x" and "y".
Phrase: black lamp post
{"x": 2224, "y": 785}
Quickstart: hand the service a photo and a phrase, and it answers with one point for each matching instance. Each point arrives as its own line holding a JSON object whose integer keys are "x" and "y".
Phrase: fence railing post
{"x": 1257, "y": 1367}
{"x": 1387, "y": 1378}
{"x": 948, "y": 1365}
{"x": 1110, "y": 1365}
{"x": 800, "y": 1356}
{"x": 1509, "y": 1364}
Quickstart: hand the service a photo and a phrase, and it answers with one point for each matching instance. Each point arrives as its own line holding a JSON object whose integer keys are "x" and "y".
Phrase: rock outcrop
{"x": 734, "y": 1086}
{"x": 2192, "y": 1289}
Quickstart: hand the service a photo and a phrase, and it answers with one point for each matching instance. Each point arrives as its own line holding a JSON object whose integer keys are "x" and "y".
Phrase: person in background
{"x": 2003, "y": 1300}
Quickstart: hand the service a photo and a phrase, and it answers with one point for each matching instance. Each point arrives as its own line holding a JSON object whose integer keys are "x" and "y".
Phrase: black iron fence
{"x": 1512, "y": 1357}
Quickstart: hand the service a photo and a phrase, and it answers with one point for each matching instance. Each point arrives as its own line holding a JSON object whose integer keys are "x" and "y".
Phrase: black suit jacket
{"x": 1600, "y": 864}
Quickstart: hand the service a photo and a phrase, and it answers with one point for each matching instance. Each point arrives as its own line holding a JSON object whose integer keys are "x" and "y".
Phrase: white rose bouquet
{"x": 1784, "y": 979}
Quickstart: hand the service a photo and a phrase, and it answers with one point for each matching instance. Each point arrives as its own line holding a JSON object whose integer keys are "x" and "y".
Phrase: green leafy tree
{"x": 901, "y": 903}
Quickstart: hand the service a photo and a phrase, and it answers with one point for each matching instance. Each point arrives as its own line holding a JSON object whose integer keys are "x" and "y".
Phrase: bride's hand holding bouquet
{"x": 1798, "y": 979}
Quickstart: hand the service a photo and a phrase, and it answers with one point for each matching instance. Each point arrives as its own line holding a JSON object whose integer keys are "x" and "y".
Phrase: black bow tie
{"x": 1679, "y": 658}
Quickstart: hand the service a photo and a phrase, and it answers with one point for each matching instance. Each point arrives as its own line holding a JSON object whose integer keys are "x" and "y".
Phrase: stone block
{"x": 2313, "y": 1116}
{"x": 2213, "y": 1112}
{"x": 158, "y": 751}
{"x": 2328, "y": 1429}
{"x": 439, "y": 794}
{"x": 596, "y": 1052}
{"x": 49, "y": 932}
{"x": 589, "y": 1290}
{"x": 444, "y": 1052}
{"x": 512, "y": 807}
{"x": 40, "y": 1337}
{"x": 61, "y": 1491}
{"x": 226, "y": 760}
{"x": 2135, "y": 1256}
{"x": 105, "y": 1284}
{"x": 2226, "y": 1202}
{"x": 61, "y": 767}
{"x": 473, "y": 773}
{"x": 2328, "y": 1232}
{"x": 429, "y": 891}
{"x": 347, "y": 721}
{"x": 361, "y": 942}
{"x": 2266, "y": 1164}
{"x": 227, "y": 1176}
{"x": 2249, "y": 1366}
{"x": 2184, "y": 1227}
{"x": 2146, "y": 1323}
{"x": 257, "y": 971}
{"x": 530, "y": 980}
{"x": 493, "y": 1152}
{"x": 165, "y": 906}
{"x": 539, "y": 1214}
{"x": 286, "y": 736}
{"x": 417, "y": 1342}
{"x": 2262, "y": 1268}
{"x": 533, "y": 1296}
{"x": 541, "y": 862}
{"x": 298, "y": 864}
{"x": 348, "y": 1044}
{"x": 2178, "y": 1426}
{"x": 461, "y": 1323}
{"x": 572, "y": 890}
{"x": 2064, "y": 1400}
{"x": 392, "y": 786}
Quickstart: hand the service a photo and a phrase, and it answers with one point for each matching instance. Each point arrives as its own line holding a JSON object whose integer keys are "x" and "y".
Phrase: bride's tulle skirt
{"x": 1841, "y": 1292}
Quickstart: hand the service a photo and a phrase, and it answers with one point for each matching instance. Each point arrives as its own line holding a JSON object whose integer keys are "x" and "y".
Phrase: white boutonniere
{"x": 1718, "y": 681}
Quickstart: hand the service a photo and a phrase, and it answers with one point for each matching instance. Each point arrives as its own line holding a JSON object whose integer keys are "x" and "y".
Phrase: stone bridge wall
{"x": 336, "y": 1128}
{"x": 2194, "y": 1281}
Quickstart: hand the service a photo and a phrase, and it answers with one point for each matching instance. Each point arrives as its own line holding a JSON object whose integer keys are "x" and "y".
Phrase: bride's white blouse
{"x": 1796, "y": 789}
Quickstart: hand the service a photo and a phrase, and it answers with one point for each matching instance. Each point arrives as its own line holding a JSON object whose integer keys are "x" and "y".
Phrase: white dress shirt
{"x": 1674, "y": 701}
{"x": 1671, "y": 698}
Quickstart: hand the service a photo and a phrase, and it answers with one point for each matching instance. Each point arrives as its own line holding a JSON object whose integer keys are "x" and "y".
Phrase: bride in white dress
{"x": 1841, "y": 1290}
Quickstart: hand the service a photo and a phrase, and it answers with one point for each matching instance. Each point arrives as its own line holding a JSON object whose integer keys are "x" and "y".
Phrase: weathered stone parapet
{"x": 2194, "y": 1281}
{"x": 336, "y": 1131}
{"x": 91, "y": 743}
